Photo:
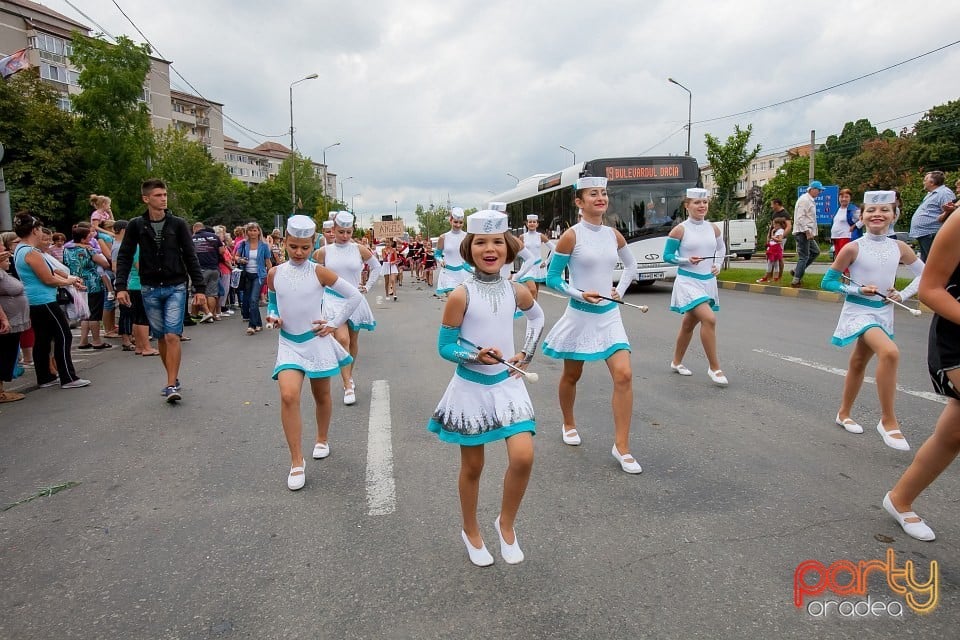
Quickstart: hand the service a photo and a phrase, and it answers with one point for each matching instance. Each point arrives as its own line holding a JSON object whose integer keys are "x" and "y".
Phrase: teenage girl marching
{"x": 485, "y": 400}
{"x": 696, "y": 245}
{"x": 591, "y": 328}
{"x": 866, "y": 320}
{"x": 453, "y": 271}
{"x": 534, "y": 271}
{"x": 346, "y": 258}
{"x": 307, "y": 347}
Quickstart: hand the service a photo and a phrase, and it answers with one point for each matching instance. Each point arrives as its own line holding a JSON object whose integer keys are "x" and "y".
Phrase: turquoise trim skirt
{"x": 586, "y": 335}
{"x": 478, "y": 411}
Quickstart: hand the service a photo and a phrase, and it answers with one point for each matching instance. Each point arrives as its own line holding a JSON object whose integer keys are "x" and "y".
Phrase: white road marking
{"x": 381, "y": 490}
{"x": 926, "y": 395}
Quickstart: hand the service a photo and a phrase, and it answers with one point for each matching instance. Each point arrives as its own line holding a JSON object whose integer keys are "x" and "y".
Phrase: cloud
{"x": 430, "y": 98}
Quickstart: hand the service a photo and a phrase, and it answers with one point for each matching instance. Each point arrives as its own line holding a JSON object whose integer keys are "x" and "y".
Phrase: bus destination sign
{"x": 645, "y": 172}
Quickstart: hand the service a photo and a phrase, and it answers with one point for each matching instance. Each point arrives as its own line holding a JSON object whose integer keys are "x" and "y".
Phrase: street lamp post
{"x": 689, "y": 109}
{"x": 516, "y": 178}
{"x": 571, "y": 151}
{"x": 293, "y": 154}
{"x": 341, "y": 189}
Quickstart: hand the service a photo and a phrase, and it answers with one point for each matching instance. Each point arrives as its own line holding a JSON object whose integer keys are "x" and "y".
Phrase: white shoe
{"x": 511, "y": 552}
{"x": 76, "y": 384}
{"x": 207, "y": 317}
{"x": 321, "y": 450}
{"x": 849, "y": 424}
{"x": 917, "y": 530}
{"x": 350, "y": 395}
{"x": 628, "y": 463}
{"x": 571, "y": 437}
{"x": 679, "y": 368}
{"x": 717, "y": 377}
{"x": 900, "y": 444}
{"x": 480, "y": 557}
{"x": 296, "y": 478}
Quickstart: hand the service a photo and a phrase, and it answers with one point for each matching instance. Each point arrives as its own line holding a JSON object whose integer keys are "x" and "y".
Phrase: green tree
{"x": 432, "y": 220}
{"x": 937, "y": 134}
{"x": 882, "y": 163}
{"x": 783, "y": 186}
{"x": 728, "y": 161}
{"x": 850, "y": 142}
{"x": 41, "y": 162}
{"x": 113, "y": 123}
{"x": 191, "y": 174}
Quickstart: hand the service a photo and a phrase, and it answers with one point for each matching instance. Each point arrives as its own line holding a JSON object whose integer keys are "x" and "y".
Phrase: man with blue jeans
{"x": 166, "y": 257}
{"x": 927, "y": 219}
{"x": 805, "y": 231}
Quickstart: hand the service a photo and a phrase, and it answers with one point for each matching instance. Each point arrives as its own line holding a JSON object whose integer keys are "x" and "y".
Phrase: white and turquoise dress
{"x": 299, "y": 298}
{"x": 587, "y": 331}
{"x": 695, "y": 283}
{"x": 344, "y": 260}
{"x": 455, "y": 271}
{"x": 876, "y": 263}
{"x": 532, "y": 241}
{"x": 483, "y": 403}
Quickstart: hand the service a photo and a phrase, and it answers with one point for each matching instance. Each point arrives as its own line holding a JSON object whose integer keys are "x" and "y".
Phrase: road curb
{"x": 789, "y": 292}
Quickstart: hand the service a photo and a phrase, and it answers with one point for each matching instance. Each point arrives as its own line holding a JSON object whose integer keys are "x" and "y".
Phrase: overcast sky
{"x": 438, "y": 98}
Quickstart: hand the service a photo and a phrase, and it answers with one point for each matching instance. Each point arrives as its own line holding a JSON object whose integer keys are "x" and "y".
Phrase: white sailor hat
{"x": 696, "y": 193}
{"x": 591, "y": 182}
{"x": 487, "y": 221}
{"x": 880, "y": 197}
{"x": 327, "y": 224}
{"x": 533, "y": 216}
{"x": 456, "y": 213}
{"x": 301, "y": 226}
{"x": 343, "y": 219}
{"x": 497, "y": 206}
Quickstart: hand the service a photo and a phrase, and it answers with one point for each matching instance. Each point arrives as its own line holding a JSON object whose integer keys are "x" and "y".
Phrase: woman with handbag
{"x": 79, "y": 259}
{"x": 49, "y": 322}
{"x": 255, "y": 258}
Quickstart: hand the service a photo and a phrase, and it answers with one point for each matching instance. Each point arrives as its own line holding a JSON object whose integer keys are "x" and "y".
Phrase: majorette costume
{"x": 344, "y": 260}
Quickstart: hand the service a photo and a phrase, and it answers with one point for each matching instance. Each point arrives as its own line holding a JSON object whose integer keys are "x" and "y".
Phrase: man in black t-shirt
{"x": 209, "y": 250}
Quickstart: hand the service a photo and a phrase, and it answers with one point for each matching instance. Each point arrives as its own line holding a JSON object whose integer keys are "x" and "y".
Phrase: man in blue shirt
{"x": 925, "y": 224}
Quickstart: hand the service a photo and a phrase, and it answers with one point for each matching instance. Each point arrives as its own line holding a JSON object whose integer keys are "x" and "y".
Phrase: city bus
{"x": 646, "y": 202}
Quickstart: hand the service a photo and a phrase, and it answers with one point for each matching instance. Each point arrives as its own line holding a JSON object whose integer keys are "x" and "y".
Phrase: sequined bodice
{"x": 594, "y": 258}
{"x": 488, "y": 321}
{"x": 344, "y": 260}
{"x": 299, "y": 295}
{"x": 876, "y": 262}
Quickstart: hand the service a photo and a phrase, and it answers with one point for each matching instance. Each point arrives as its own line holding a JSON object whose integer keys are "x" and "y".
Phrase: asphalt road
{"x": 181, "y": 525}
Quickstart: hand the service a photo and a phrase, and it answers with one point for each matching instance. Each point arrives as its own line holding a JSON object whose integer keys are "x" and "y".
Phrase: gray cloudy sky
{"x": 438, "y": 97}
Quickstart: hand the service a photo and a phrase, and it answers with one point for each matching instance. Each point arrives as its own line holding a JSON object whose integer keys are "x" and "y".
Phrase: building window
{"x": 64, "y": 104}
{"x": 73, "y": 77}
{"x": 51, "y": 72}
{"x": 771, "y": 165}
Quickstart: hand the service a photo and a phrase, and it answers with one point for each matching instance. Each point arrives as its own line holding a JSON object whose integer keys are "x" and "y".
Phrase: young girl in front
{"x": 866, "y": 319}
{"x": 307, "y": 347}
{"x": 775, "y": 239}
{"x": 485, "y": 400}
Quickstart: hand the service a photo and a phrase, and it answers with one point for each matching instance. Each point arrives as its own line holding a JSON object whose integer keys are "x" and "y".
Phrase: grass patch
{"x": 42, "y": 492}
{"x": 810, "y": 280}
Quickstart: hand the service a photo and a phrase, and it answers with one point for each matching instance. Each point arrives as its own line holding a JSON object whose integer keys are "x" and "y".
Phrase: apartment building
{"x": 201, "y": 120}
{"x": 253, "y": 166}
{"x": 761, "y": 170}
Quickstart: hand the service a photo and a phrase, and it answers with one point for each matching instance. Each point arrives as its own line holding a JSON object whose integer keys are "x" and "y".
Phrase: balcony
{"x": 203, "y": 121}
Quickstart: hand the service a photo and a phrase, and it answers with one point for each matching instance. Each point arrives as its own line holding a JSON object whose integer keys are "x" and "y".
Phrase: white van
{"x": 743, "y": 237}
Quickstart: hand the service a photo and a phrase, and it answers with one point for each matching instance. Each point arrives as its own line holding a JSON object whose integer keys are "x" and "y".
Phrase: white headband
{"x": 300, "y": 226}
{"x": 696, "y": 193}
{"x": 591, "y": 182}
{"x": 487, "y": 221}
{"x": 880, "y": 197}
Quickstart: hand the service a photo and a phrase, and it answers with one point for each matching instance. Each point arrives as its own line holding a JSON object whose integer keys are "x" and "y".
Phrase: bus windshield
{"x": 645, "y": 210}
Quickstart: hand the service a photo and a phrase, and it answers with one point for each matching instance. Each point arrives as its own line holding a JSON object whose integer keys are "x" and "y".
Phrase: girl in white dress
{"x": 867, "y": 319}
{"x": 346, "y": 258}
{"x": 485, "y": 400}
{"x": 696, "y": 245}
{"x": 591, "y": 328}
{"x": 307, "y": 347}
{"x": 534, "y": 269}
{"x": 453, "y": 270}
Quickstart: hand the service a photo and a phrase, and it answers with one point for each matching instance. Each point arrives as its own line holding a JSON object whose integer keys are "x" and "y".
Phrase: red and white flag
{"x": 16, "y": 61}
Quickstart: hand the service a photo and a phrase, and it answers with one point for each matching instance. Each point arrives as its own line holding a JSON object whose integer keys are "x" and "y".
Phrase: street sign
{"x": 827, "y": 203}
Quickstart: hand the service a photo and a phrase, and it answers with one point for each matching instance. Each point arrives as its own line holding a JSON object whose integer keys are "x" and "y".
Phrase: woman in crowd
{"x": 866, "y": 319}
{"x": 48, "y": 320}
{"x": 79, "y": 258}
{"x": 254, "y": 257}
{"x": 346, "y": 258}
{"x": 125, "y": 322}
{"x": 591, "y": 328}
{"x": 14, "y": 320}
{"x": 697, "y": 246}
{"x": 9, "y": 242}
{"x": 485, "y": 400}
{"x": 938, "y": 290}
{"x": 226, "y": 268}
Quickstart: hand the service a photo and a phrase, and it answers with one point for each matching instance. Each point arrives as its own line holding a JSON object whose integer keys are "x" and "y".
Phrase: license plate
{"x": 651, "y": 275}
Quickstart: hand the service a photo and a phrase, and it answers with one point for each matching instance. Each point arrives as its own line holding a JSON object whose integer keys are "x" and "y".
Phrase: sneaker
{"x": 176, "y": 385}
{"x": 207, "y": 317}
{"x": 76, "y": 384}
{"x": 52, "y": 383}
{"x": 172, "y": 394}
{"x": 228, "y": 312}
